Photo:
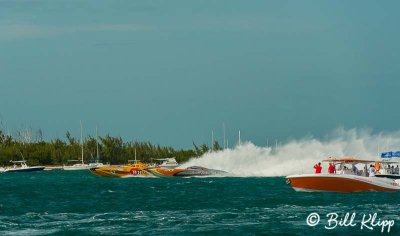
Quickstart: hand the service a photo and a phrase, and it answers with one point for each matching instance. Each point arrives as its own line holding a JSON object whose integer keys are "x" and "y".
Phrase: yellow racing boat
{"x": 137, "y": 169}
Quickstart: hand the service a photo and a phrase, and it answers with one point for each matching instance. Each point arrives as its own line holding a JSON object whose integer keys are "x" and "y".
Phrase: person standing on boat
{"x": 318, "y": 168}
{"x": 355, "y": 169}
{"x": 331, "y": 168}
{"x": 388, "y": 170}
{"x": 366, "y": 170}
{"x": 377, "y": 167}
{"x": 371, "y": 171}
{"x": 396, "y": 170}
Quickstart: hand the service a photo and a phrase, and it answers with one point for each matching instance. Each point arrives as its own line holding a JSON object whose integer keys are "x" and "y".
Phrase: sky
{"x": 171, "y": 72}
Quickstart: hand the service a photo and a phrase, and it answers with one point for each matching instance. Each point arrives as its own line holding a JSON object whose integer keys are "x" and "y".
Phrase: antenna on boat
{"x": 223, "y": 125}
{"x": 135, "y": 156}
{"x": 276, "y": 145}
{"x": 23, "y": 158}
{"x": 81, "y": 140}
{"x": 357, "y": 154}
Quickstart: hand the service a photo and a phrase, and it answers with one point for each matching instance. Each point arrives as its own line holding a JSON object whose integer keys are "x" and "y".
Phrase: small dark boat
{"x": 21, "y": 166}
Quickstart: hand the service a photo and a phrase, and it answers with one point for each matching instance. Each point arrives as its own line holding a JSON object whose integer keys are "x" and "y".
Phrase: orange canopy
{"x": 348, "y": 160}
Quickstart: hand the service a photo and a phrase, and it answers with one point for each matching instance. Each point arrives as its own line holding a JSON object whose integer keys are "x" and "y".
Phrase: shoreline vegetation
{"x": 112, "y": 150}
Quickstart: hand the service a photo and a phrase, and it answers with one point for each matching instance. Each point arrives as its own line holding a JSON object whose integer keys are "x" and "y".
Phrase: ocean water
{"x": 79, "y": 203}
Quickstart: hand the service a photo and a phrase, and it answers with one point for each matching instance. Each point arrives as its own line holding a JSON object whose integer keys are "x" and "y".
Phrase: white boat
{"x": 168, "y": 162}
{"x": 77, "y": 166}
{"x": 348, "y": 179}
{"x": 21, "y": 166}
{"x": 97, "y": 163}
{"x": 80, "y": 165}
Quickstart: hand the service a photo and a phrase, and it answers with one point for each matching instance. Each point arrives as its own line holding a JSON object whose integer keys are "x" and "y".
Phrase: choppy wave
{"x": 298, "y": 156}
{"x": 84, "y": 205}
{"x": 289, "y": 218}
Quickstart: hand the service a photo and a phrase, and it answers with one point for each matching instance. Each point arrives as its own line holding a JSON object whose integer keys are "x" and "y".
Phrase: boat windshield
{"x": 196, "y": 168}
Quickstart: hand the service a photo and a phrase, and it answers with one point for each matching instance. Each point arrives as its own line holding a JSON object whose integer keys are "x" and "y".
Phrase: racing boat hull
{"x": 121, "y": 171}
{"x": 341, "y": 183}
{"x": 185, "y": 172}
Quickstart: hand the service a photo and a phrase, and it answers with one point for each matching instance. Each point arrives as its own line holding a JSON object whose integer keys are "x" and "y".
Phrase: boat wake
{"x": 297, "y": 156}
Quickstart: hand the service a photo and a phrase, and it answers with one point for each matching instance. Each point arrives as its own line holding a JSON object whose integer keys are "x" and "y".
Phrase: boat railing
{"x": 22, "y": 164}
{"x": 383, "y": 171}
{"x": 352, "y": 172}
{"x": 389, "y": 171}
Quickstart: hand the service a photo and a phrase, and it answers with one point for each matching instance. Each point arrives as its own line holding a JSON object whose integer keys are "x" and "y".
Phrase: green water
{"x": 71, "y": 203}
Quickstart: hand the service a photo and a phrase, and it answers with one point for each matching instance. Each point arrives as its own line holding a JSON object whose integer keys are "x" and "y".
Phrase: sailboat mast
{"x": 97, "y": 145}
{"x": 223, "y": 124}
{"x": 212, "y": 140}
{"x": 81, "y": 141}
{"x": 240, "y": 142}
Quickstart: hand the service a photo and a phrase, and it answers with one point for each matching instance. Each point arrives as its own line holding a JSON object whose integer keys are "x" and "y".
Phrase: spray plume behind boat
{"x": 297, "y": 156}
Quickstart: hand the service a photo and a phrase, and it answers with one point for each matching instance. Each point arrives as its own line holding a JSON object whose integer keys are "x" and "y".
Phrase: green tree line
{"x": 112, "y": 150}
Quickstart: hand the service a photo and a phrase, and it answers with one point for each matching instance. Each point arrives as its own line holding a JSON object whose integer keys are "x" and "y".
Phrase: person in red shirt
{"x": 331, "y": 169}
{"x": 318, "y": 168}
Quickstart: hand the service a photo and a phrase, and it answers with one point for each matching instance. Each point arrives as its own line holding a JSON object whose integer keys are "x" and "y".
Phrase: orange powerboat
{"x": 347, "y": 178}
{"x": 136, "y": 169}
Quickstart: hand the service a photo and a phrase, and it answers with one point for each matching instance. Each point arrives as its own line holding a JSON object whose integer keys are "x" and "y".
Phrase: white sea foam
{"x": 298, "y": 156}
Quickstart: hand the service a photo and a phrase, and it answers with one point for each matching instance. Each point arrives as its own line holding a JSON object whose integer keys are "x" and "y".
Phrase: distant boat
{"x": 97, "y": 163}
{"x": 168, "y": 162}
{"x": 82, "y": 166}
{"x": 21, "y": 166}
{"x": 77, "y": 166}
